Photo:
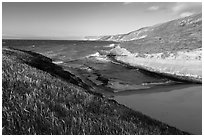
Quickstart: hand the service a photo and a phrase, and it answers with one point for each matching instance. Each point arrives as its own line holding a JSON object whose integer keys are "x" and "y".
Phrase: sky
{"x": 69, "y": 20}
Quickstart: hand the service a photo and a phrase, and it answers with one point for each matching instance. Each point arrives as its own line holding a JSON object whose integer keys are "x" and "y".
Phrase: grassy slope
{"x": 180, "y": 34}
{"x": 40, "y": 98}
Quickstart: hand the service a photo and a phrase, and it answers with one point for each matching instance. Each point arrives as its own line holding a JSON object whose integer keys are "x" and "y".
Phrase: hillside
{"x": 179, "y": 34}
{"x": 39, "y": 97}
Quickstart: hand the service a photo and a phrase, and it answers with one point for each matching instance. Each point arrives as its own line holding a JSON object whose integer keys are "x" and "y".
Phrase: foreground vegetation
{"x": 39, "y": 97}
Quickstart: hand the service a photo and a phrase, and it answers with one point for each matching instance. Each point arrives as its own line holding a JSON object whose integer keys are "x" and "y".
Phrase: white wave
{"x": 86, "y": 68}
{"x": 98, "y": 57}
{"x": 102, "y": 59}
{"x": 110, "y": 46}
{"x": 57, "y": 62}
{"x": 156, "y": 83}
{"x": 97, "y": 54}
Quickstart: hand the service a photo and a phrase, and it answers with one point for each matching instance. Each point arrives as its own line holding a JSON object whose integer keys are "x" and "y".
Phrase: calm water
{"x": 177, "y": 104}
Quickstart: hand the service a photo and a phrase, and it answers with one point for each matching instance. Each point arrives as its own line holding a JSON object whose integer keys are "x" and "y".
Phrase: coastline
{"x": 176, "y": 69}
{"x": 63, "y": 97}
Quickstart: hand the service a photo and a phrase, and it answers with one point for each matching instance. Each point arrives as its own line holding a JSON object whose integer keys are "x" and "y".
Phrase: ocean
{"x": 175, "y": 103}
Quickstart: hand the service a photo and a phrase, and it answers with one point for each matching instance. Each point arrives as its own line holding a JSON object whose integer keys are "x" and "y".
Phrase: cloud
{"x": 178, "y": 7}
{"x": 184, "y": 14}
{"x": 153, "y": 8}
{"x": 126, "y": 3}
{"x": 187, "y": 8}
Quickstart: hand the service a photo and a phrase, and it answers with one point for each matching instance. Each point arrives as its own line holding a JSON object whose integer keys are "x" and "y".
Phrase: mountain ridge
{"x": 158, "y": 31}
